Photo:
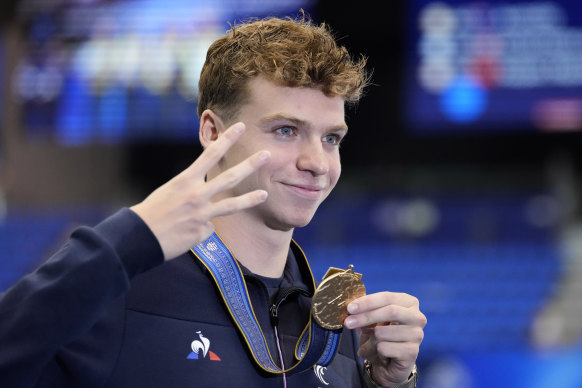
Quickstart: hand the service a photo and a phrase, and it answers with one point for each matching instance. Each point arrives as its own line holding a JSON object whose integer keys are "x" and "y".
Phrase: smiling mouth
{"x": 306, "y": 191}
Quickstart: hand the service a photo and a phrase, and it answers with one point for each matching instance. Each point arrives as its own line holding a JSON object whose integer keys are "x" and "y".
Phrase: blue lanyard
{"x": 316, "y": 345}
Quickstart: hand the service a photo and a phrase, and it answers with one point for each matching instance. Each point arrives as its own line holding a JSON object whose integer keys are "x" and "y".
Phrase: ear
{"x": 210, "y": 127}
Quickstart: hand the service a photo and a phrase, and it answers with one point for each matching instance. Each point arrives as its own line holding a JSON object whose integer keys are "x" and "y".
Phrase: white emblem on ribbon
{"x": 319, "y": 371}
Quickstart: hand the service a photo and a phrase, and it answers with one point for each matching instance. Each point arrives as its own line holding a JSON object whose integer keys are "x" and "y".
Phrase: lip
{"x": 311, "y": 192}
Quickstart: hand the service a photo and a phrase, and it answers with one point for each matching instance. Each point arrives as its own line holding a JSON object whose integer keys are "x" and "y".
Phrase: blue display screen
{"x": 493, "y": 66}
{"x": 103, "y": 71}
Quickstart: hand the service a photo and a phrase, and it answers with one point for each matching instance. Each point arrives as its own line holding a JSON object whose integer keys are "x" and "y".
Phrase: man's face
{"x": 302, "y": 128}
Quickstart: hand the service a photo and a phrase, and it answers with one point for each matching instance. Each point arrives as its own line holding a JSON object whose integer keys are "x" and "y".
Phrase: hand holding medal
{"x": 391, "y": 328}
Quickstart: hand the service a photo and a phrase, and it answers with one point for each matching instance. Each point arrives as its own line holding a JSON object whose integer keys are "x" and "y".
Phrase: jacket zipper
{"x": 274, "y": 314}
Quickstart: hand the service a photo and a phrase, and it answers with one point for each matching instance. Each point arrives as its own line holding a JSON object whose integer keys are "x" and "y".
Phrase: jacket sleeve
{"x": 65, "y": 296}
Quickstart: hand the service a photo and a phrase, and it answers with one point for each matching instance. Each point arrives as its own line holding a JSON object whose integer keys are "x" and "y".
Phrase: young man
{"x": 106, "y": 311}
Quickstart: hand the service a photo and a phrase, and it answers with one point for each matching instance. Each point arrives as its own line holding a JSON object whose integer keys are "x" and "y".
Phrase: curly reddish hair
{"x": 289, "y": 52}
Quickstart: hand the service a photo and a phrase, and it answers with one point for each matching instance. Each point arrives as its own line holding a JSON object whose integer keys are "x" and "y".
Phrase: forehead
{"x": 266, "y": 98}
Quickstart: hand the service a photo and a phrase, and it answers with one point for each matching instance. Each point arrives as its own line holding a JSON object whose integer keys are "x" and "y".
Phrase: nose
{"x": 313, "y": 158}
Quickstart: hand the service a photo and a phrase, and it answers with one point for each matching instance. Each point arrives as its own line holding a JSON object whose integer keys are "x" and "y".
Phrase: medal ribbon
{"x": 316, "y": 344}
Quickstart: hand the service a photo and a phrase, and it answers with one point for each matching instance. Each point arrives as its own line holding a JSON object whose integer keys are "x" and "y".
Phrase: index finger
{"x": 381, "y": 299}
{"x": 215, "y": 151}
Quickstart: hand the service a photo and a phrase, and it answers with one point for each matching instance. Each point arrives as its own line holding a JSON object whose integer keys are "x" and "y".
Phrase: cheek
{"x": 280, "y": 163}
{"x": 335, "y": 171}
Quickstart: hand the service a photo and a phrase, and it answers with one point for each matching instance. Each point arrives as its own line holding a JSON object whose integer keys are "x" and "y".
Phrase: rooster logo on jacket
{"x": 201, "y": 349}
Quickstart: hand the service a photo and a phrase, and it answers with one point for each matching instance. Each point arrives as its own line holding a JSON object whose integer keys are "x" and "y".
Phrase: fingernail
{"x": 239, "y": 127}
{"x": 263, "y": 195}
{"x": 350, "y": 322}
{"x": 353, "y": 308}
{"x": 264, "y": 155}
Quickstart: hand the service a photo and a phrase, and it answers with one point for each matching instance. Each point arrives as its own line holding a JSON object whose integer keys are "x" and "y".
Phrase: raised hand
{"x": 179, "y": 212}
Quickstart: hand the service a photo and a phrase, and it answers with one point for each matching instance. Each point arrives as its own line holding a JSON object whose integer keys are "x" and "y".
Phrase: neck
{"x": 256, "y": 246}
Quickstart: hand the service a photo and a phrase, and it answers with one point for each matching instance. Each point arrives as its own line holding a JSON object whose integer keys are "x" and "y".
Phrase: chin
{"x": 285, "y": 218}
{"x": 289, "y": 223}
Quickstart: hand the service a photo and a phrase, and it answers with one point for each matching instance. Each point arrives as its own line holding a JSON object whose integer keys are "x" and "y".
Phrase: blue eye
{"x": 285, "y": 131}
{"x": 332, "y": 139}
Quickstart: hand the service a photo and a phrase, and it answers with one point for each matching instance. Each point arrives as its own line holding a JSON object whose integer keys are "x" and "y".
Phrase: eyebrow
{"x": 298, "y": 122}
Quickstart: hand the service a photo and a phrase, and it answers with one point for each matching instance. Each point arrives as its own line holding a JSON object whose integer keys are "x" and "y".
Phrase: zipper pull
{"x": 274, "y": 315}
{"x": 282, "y": 294}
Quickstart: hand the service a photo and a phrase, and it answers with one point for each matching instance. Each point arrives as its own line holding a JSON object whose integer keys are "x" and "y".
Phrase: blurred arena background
{"x": 461, "y": 181}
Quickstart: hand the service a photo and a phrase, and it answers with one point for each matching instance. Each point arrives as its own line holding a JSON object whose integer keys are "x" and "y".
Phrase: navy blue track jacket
{"x": 104, "y": 312}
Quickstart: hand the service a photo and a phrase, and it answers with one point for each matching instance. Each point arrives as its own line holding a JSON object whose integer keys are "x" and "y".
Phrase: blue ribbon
{"x": 316, "y": 344}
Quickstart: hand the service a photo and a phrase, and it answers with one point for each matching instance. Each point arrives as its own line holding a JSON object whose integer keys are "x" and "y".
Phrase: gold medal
{"x": 337, "y": 289}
